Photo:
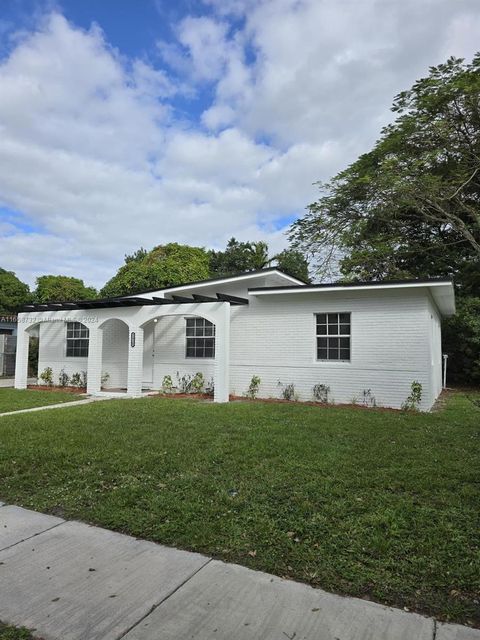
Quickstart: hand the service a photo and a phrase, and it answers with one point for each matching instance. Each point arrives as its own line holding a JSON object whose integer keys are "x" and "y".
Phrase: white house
{"x": 366, "y": 340}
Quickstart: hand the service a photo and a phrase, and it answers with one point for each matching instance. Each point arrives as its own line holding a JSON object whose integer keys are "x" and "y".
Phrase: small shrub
{"x": 288, "y": 391}
{"x": 184, "y": 383}
{"x": 76, "y": 379}
{"x": 198, "y": 383}
{"x": 47, "y": 376}
{"x": 320, "y": 393}
{"x": 83, "y": 379}
{"x": 413, "y": 400}
{"x": 105, "y": 378}
{"x": 63, "y": 378}
{"x": 253, "y": 388}
{"x": 167, "y": 384}
{"x": 368, "y": 399}
{"x": 210, "y": 387}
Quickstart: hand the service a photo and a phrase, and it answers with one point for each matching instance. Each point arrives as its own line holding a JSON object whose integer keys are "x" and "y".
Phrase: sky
{"x": 129, "y": 123}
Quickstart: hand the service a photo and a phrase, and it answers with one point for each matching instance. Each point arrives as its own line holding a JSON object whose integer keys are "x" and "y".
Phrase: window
{"x": 200, "y": 338}
{"x": 77, "y": 340}
{"x": 333, "y": 336}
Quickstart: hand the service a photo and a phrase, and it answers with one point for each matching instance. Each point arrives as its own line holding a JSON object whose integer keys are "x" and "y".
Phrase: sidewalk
{"x": 72, "y": 581}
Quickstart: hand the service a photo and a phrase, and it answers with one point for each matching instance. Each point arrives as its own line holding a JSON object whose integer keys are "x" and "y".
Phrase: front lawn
{"x": 375, "y": 504}
{"x": 15, "y": 399}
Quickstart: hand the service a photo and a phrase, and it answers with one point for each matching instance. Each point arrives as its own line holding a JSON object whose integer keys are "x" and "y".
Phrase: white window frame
{"x": 199, "y": 336}
{"x": 327, "y": 360}
{"x": 67, "y": 338}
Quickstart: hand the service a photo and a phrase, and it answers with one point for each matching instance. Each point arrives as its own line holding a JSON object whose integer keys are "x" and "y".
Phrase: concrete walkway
{"x": 60, "y": 405}
{"x": 72, "y": 581}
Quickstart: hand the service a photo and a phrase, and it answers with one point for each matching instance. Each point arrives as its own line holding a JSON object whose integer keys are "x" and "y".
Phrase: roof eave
{"x": 442, "y": 291}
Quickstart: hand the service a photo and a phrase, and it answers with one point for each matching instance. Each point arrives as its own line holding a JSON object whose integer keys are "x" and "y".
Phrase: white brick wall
{"x": 274, "y": 338}
{"x": 52, "y": 349}
{"x": 170, "y": 353}
{"x": 435, "y": 324}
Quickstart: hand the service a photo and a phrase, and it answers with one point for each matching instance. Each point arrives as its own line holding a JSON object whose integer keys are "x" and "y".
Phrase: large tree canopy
{"x": 13, "y": 293}
{"x": 164, "y": 266}
{"x": 252, "y": 256}
{"x": 411, "y": 206}
{"x": 62, "y": 289}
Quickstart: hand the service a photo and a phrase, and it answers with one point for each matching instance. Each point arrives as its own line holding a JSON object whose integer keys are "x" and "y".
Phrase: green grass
{"x": 15, "y": 399}
{"x": 14, "y": 633}
{"x": 375, "y": 504}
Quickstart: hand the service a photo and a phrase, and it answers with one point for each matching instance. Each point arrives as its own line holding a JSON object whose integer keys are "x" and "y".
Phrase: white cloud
{"x": 96, "y": 154}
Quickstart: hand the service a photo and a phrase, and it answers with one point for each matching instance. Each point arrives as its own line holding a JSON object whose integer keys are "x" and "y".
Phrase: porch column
{"x": 135, "y": 361}
{"x": 94, "y": 365}
{"x": 21, "y": 357}
{"x": 222, "y": 355}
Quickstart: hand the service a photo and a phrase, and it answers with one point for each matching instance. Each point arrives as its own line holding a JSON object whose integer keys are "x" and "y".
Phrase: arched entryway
{"x": 114, "y": 361}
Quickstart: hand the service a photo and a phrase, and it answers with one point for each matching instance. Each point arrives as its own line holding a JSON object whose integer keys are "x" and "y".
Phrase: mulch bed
{"x": 311, "y": 403}
{"x": 178, "y": 396}
{"x": 307, "y": 403}
{"x": 44, "y": 387}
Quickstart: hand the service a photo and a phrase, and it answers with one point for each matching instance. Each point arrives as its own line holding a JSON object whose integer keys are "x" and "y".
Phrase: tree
{"x": 164, "y": 266}
{"x": 464, "y": 353}
{"x": 411, "y": 206}
{"x": 13, "y": 292}
{"x": 240, "y": 257}
{"x": 52, "y": 288}
{"x": 294, "y": 263}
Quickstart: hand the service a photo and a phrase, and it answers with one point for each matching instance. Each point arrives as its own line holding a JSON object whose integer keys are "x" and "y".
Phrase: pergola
{"x": 135, "y": 312}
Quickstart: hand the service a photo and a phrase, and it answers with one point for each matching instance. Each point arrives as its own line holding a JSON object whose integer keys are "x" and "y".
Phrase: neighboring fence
{"x": 8, "y": 348}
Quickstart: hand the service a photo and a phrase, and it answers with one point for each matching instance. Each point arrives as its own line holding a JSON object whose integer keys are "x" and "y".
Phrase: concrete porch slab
{"x": 456, "y": 632}
{"x": 228, "y": 601}
{"x": 17, "y": 524}
{"x": 10, "y": 382}
{"x": 77, "y": 582}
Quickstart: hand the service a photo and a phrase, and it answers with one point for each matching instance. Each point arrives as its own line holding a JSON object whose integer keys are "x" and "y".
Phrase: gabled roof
{"x": 238, "y": 277}
{"x": 441, "y": 289}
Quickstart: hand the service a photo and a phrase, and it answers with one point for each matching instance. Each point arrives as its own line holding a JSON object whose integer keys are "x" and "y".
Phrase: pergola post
{"x": 94, "y": 365}
{"x": 222, "y": 355}
{"x": 21, "y": 358}
{"x": 135, "y": 361}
